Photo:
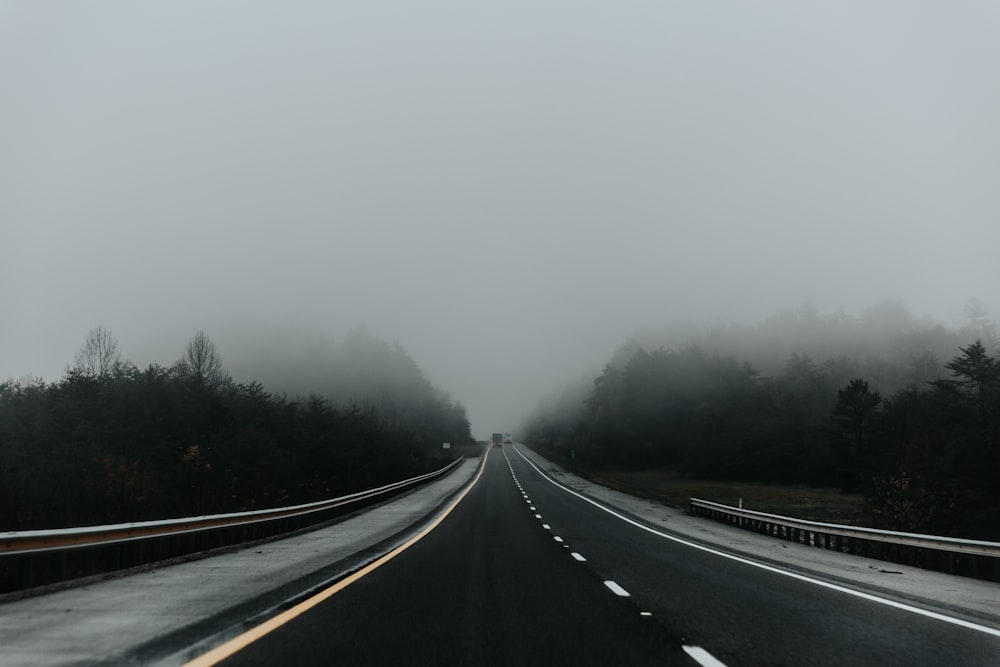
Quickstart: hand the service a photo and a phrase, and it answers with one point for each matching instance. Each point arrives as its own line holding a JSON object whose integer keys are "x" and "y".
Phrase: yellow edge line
{"x": 223, "y": 651}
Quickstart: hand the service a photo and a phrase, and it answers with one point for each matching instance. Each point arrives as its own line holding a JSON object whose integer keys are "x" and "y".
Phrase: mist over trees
{"x": 112, "y": 442}
{"x": 907, "y": 412}
{"x": 890, "y": 346}
{"x": 379, "y": 379}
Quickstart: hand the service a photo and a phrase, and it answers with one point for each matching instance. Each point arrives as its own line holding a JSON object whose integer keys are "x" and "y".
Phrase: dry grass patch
{"x": 803, "y": 502}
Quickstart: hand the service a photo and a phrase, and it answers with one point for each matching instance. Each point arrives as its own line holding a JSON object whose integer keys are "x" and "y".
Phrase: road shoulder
{"x": 109, "y": 621}
{"x": 973, "y": 599}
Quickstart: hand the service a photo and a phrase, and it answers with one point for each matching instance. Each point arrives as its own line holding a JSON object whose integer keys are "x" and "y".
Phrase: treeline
{"x": 111, "y": 442}
{"x": 922, "y": 452}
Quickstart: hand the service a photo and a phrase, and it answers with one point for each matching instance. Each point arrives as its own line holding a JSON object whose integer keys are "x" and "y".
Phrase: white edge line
{"x": 834, "y": 587}
{"x": 703, "y": 657}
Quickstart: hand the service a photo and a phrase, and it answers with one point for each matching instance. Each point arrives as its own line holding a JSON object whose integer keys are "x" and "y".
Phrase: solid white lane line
{"x": 703, "y": 657}
{"x": 557, "y": 538}
{"x": 616, "y": 589}
{"x": 578, "y": 557}
{"x": 794, "y": 575}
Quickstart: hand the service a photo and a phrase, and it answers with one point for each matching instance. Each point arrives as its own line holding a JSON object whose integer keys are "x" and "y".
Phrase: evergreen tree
{"x": 977, "y": 373}
{"x": 855, "y": 413}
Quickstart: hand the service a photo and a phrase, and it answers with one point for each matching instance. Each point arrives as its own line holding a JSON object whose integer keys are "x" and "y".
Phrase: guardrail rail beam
{"x": 970, "y": 558}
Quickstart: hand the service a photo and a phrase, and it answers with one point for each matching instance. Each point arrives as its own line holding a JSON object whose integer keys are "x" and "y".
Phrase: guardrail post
{"x": 90, "y": 562}
{"x": 26, "y": 572}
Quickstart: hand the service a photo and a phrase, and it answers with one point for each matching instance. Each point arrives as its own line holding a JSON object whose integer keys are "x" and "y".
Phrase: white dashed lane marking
{"x": 703, "y": 657}
{"x": 698, "y": 654}
{"x": 616, "y": 589}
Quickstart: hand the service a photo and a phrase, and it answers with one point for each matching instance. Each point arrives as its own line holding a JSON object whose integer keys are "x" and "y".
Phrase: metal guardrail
{"x": 33, "y": 558}
{"x": 974, "y": 558}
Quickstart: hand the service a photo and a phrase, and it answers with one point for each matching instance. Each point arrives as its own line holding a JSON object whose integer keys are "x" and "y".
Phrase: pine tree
{"x": 975, "y": 370}
{"x": 856, "y": 410}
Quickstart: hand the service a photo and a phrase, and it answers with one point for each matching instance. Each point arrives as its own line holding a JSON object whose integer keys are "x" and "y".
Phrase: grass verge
{"x": 803, "y": 502}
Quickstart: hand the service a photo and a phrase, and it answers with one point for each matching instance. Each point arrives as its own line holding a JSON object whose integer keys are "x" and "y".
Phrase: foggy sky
{"x": 507, "y": 189}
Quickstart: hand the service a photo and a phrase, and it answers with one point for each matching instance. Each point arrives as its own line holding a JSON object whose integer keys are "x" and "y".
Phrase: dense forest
{"x": 885, "y": 414}
{"x": 111, "y": 442}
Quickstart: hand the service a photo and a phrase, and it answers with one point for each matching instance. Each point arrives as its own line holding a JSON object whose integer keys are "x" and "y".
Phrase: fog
{"x": 507, "y": 190}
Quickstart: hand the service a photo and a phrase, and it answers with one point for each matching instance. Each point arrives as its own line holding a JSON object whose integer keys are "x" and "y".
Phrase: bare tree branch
{"x": 99, "y": 354}
{"x": 204, "y": 362}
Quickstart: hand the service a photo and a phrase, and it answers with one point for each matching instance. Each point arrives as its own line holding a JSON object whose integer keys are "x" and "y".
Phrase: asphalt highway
{"x": 523, "y": 571}
{"x": 488, "y": 586}
{"x": 745, "y": 613}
